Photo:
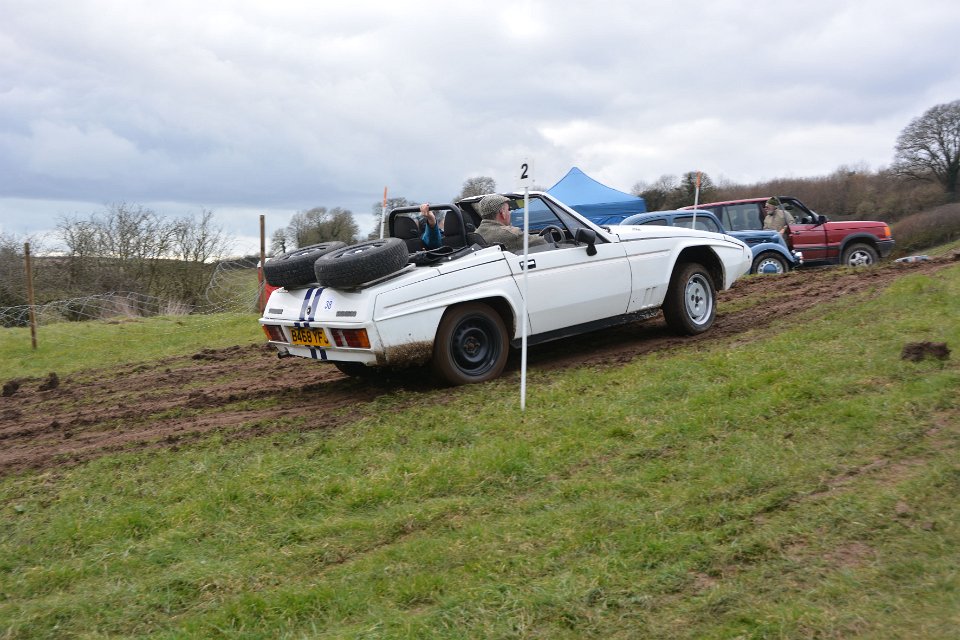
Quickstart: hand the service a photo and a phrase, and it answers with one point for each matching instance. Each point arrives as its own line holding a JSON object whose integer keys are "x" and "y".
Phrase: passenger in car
{"x": 495, "y": 227}
{"x": 433, "y": 233}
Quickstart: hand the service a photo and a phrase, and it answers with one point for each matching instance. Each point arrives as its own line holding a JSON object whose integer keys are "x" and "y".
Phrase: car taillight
{"x": 356, "y": 338}
{"x": 274, "y": 333}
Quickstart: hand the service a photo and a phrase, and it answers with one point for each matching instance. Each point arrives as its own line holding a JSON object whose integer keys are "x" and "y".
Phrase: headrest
{"x": 406, "y": 227}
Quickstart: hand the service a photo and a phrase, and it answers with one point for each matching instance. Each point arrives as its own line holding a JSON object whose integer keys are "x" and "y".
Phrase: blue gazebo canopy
{"x": 596, "y": 201}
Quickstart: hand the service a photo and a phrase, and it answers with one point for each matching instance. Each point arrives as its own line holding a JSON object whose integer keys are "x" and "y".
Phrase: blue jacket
{"x": 432, "y": 237}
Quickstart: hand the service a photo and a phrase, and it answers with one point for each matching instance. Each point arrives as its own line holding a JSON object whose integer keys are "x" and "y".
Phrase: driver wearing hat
{"x": 495, "y": 225}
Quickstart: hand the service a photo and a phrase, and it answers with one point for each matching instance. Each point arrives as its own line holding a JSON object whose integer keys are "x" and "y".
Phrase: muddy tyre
{"x": 295, "y": 268}
{"x": 691, "y": 303}
{"x": 859, "y": 254}
{"x": 769, "y": 262}
{"x": 362, "y": 262}
{"x": 471, "y": 345}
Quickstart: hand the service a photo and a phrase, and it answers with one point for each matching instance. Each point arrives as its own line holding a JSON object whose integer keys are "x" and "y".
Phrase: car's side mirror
{"x": 587, "y": 237}
{"x": 822, "y": 219}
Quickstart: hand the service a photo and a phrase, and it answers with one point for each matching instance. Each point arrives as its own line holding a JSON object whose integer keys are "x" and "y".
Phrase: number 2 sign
{"x": 525, "y": 176}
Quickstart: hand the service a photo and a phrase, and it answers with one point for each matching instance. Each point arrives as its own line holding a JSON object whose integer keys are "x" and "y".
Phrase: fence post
{"x": 263, "y": 257}
{"x": 30, "y": 299}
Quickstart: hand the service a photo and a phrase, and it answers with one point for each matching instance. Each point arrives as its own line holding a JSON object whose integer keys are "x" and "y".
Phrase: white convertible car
{"x": 389, "y": 303}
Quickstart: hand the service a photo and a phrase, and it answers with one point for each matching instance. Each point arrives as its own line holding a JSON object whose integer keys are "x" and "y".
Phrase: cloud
{"x": 242, "y": 106}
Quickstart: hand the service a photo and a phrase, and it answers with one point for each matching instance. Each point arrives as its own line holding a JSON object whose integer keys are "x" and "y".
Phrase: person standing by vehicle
{"x": 495, "y": 225}
{"x": 775, "y": 218}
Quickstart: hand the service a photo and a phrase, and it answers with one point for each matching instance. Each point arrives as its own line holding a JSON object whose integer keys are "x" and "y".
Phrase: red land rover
{"x": 853, "y": 243}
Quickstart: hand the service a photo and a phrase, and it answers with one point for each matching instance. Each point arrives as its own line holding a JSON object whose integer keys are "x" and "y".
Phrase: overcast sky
{"x": 250, "y": 107}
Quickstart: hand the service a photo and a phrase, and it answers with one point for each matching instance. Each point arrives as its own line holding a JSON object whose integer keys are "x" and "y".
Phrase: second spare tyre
{"x": 295, "y": 268}
{"x": 351, "y": 266}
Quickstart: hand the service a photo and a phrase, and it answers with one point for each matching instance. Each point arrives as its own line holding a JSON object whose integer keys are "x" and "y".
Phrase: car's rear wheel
{"x": 769, "y": 262}
{"x": 295, "y": 268}
{"x": 691, "y": 303}
{"x": 859, "y": 254}
{"x": 471, "y": 345}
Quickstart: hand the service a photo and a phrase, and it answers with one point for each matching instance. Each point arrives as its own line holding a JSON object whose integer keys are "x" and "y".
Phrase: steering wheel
{"x": 552, "y": 232}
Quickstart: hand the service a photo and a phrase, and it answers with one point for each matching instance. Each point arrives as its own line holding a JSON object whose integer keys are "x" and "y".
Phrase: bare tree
{"x": 929, "y": 148}
{"x": 12, "y": 274}
{"x": 339, "y": 225}
{"x": 278, "y": 242}
{"x": 655, "y": 194}
{"x": 118, "y": 249}
{"x": 80, "y": 239}
{"x": 131, "y": 248}
{"x": 319, "y": 225}
{"x": 477, "y": 186}
{"x": 300, "y": 229}
{"x": 683, "y": 195}
{"x": 198, "y": 241}
{"x": 196, "y": 246}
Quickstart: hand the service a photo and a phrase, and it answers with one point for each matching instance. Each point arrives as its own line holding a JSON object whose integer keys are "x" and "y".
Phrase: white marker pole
{"x": 526, "y": 177}
{"x": 696, "y": 200}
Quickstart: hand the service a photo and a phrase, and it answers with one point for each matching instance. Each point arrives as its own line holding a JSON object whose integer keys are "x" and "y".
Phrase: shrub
{"x": 927, "y": 229}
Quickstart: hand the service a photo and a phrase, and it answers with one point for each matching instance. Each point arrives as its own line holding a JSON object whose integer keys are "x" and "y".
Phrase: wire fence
{"x": 233, "y": 287}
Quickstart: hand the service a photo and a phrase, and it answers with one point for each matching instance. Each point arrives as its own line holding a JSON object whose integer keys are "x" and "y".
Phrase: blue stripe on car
{"x": 306, "y": 303}
{"x": 315, "y": 304}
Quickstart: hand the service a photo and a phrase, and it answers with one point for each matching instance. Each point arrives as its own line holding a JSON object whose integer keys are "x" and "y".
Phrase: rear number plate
{"x": 309, "y": 337}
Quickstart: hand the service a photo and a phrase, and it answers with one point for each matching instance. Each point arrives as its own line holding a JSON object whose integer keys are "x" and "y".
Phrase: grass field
{"x": 66, "y": 347}
{"x": 801, "y": 483}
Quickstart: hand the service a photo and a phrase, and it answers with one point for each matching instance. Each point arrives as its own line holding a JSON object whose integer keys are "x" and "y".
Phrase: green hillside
{"x": 798, "y": 482}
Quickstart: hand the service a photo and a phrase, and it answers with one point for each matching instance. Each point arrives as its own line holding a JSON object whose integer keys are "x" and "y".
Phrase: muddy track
{"x": 246, "y": 391}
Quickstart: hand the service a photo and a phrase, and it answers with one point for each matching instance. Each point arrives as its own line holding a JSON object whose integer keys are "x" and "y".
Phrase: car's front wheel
{"x": 769, "y": 262}
{"x": 691, "y": 303}
{"x": 471, "y": 344}
{"x": 859, "y": 255}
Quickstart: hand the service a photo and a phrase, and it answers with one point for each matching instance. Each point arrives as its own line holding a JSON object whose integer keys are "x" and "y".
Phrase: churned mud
{"x": 246, "y": 391}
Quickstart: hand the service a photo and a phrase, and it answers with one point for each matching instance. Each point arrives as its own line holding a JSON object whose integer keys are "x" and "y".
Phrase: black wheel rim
{"x": 474, "y": 345}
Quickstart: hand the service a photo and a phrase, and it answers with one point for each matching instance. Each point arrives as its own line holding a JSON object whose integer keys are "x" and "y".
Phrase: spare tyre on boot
{"x": 295, "y": 268}
{"x": 362, "y": 262}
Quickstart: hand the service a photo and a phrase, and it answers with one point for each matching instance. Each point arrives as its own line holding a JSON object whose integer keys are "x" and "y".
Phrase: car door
{"x": 568, "y": 287}
{"x": 807, "y": 237}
